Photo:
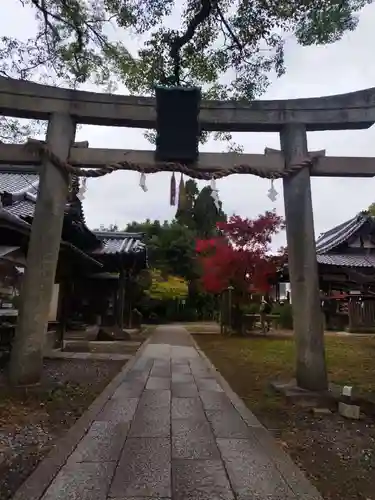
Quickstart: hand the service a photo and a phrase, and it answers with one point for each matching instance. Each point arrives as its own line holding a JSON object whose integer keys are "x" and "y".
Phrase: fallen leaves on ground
{"x": 334, "y": 452}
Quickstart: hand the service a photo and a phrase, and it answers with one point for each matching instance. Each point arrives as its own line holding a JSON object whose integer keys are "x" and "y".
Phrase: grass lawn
{"x": 338, "y": 455}
{"x": 202, "y": 328}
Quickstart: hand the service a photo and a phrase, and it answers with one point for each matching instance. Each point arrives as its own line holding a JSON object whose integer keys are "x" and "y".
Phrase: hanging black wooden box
{"x": 177, "y": 125}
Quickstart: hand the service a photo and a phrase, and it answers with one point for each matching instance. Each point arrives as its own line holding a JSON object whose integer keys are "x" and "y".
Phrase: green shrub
{"x": 286, "y": 315}
{"x": 251, "y": 308}
{"x": 186, "y": 314}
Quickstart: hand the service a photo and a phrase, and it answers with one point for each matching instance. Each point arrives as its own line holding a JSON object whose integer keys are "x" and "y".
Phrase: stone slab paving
{"x": 173, "y": 430}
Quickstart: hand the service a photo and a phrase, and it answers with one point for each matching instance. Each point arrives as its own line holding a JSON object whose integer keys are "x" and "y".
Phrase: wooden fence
{"x": 361, "y": 314}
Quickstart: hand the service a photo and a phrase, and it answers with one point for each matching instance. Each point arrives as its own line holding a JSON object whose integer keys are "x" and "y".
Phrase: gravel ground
{"x": 32, "y": 420}
{"x": 338, "y": 455}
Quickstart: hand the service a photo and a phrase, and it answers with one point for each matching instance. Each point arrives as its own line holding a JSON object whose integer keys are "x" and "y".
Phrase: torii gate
{"x": 291, "y": 118}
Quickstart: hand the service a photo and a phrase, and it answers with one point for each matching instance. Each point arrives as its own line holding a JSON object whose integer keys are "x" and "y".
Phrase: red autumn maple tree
{"x": 241, "y": 255}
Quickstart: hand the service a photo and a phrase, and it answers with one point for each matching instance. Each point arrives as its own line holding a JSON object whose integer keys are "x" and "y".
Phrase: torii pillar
{"x": 27, "y": 352}
{"x": 311, "y": 371}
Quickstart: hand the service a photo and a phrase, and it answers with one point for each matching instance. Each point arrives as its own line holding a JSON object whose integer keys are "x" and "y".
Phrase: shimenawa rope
{"x": 42, "y": 149}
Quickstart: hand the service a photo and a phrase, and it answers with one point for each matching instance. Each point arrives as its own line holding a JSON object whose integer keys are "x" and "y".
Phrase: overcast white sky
{"x": 343, "y": 67}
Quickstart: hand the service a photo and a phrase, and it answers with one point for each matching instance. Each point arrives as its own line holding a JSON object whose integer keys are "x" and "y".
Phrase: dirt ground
{"x": 32, "y": 420}
{"x": 338, "y": 455}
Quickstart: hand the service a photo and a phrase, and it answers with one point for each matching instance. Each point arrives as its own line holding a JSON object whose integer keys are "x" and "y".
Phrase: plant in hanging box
{"x": 177, "y": 124}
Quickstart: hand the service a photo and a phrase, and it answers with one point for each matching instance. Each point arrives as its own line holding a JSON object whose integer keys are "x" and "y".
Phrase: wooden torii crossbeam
{"x": 272, "y": 160}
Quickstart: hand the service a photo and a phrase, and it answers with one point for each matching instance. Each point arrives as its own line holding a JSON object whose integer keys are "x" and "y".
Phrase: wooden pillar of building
{"x": 128, "y": 300}
{"x": 121, "y": 299}
{"x": 65, "y": 308}
{"x": 61, "y": 313}
{"x": 114, "y": 298}
{"x": 311, "y": 371}
{"x": 43, "y": 252}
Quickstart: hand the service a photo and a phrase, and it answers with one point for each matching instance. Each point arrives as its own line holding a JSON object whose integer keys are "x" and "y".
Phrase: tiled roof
{"x": 6, "y": 249}
{"x": 22, "y": 183}
{"x": 5, "y": 215}
{"x": 23, "y": 208}
{"x": 339, "y": 234}
{"x": 19, "y": 182}
{"x": 329, "y": 242}
{"x": 119, "y": 242}
{"x": 81, "y": 253}
{"x": 347, "y": 260}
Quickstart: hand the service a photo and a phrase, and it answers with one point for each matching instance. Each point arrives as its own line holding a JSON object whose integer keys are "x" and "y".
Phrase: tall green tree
{"x": 166, "y": 287}
{"x": 206, "y": 215}
{"x": 172, "y": 251}
{"x": 184, "y": 213}
{"x": 371, "y": 209}
{"x": 229, "y": 48}
{"x": 171, "y": 247}
{"x": 199, "y": 212}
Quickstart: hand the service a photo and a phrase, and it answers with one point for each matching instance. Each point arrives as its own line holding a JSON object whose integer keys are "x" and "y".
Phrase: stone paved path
{"x": 174, "y": 430}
